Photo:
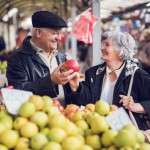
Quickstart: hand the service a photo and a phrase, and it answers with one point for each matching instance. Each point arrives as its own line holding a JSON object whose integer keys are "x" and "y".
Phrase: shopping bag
{"x": 83, "y": 28}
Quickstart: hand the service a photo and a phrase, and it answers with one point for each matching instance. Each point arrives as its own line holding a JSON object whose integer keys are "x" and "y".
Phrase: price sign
{"x": 118, "y": 119}
{"x": 13, "y": 99}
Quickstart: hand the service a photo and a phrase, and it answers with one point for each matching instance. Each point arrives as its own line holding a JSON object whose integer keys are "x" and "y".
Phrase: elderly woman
{"x": 110, "y": 81}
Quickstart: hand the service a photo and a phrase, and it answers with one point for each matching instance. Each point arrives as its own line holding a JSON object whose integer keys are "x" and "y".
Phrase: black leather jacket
{"x": 27, "y": 71}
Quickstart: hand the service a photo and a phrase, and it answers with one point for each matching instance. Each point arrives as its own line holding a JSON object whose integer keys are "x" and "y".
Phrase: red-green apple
{"x": 70, "y": 64}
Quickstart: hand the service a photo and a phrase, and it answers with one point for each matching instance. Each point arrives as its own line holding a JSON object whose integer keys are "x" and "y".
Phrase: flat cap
{"x": 46, "y": 19}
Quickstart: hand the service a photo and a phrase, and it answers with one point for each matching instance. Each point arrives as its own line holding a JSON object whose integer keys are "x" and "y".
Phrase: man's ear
{"x": 38, "y": 33}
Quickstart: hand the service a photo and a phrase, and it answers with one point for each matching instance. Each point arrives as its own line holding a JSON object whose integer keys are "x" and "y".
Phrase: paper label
{"x": 13, "y": 99}
{"x": 118, "y": 119}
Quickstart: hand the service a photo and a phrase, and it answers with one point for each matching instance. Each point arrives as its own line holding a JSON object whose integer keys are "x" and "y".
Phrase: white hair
{"x": 123, "y": 42}
{"x": 33, "y": 31}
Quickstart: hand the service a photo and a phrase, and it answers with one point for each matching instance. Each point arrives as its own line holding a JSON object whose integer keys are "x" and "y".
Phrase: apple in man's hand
{"x": 70, "y": 64}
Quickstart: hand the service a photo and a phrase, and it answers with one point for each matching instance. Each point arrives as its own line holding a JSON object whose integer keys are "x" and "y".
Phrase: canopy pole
{"x": 96, "y": 34}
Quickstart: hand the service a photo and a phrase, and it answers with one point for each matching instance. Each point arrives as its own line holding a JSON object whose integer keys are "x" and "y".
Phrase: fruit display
{"x": 3, "y": 67}
{"x": 41, "y": 124}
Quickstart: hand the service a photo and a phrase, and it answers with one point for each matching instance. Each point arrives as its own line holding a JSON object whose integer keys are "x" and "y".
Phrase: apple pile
{"x": 40, "y": 125}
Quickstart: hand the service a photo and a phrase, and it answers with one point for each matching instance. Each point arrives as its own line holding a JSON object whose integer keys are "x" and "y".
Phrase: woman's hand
{"x": 74, "y": 83}
{"x": 128, "y": 103}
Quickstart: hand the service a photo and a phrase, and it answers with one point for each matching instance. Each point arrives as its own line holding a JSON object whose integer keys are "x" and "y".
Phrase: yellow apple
{"x": 85, "y": 147}
{"x": 7, "y": 121}
{"x": 102, "y": 107}
{"x": 19, "y": 122}
{"x": 125, "y": 138}
{"x": 27, "y": 109}
{"x": 2, "y": 127}
{"x": 52, "y": 146}
{"x": 90, "y": 107}
{"x": 39, "y": 118}
{"x": 108, "y": 137}
{"x": 80, "y": 115}
{"x": 9, "y": 138}
{"x": 144, "y": 146}
{"x": 37, "y": 101}
{"x": 47, "y": 100}
{"x": 71, "y": 143}
{"x": 93, "y": 141}
{"x": 45, "y": 131}
{"x": 99, "y": 125}
{"x": 91, "y": 116}
{"x": 56, "y": 134}
{"x": 29, "y": 129}
{"x": 23, "y": 143}
{"x": 3, "y": 147}
{"x": 57, "y": 120}
{"x": 38, "y": 141}
{"x": 82, "y": 124}
{"x": 71, "y": 129}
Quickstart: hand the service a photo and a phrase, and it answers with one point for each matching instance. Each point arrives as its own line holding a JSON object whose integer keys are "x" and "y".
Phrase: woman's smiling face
{"x": 109, "y": 52}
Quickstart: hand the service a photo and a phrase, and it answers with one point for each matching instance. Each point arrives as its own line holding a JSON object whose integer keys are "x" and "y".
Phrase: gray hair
{"x": 123, "y": 42}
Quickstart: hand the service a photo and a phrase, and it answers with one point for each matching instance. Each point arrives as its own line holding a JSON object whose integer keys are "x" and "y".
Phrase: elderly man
{"x": 36, "y": 65}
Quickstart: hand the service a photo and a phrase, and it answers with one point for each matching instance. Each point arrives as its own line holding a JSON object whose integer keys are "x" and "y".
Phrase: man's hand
{"x": 128, "y": 103}
{"x": 62, "y": 78}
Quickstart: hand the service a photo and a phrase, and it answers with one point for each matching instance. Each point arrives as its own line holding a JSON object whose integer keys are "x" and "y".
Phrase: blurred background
{"x": 86, "y": 19}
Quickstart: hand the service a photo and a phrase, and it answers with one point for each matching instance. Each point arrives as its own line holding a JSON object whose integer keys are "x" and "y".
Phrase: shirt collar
{"x": 36, "y": 48}
{"x": 118, "y": 71}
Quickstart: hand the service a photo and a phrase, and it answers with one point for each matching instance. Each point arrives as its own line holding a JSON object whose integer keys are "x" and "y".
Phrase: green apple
{"x": 93, "y": 141}
{"x": 99, "y": 125}
{"x": 56, "y": 134}
{"x": 72, "y": 143}
{"x": 23, "y": 143}
{"x": 3, "y": 147}
{"x": 144, "y": 146}
{"x": 108, "y": 137}
{"x": 102, "y": 107}
{"x": 47, "y": 100}
{"x": 9, "y": 138}
{"x": 125, "y": 138}
{"x": 52, "y": 146}
{"x": 57, "y": 120}
{"x": 27, "y": 109}
{"x": 91, "y": 116}
{"x": 38, "y": 141}
{"x": 19, "y": 122}
{"x": 82, "y": 124}
{"x": 39, "y": 118}
{"x": 71, "y": 129}
{"x": 80, "y": 115}
{"x": 51, "y": 110}
{"x": 29, "y": 129}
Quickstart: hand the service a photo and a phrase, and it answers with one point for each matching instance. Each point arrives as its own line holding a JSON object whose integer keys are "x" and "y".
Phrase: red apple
{"x": 71, "y": 64}
{"x": 71, "y": 108}
{"x": 56, "y": 102}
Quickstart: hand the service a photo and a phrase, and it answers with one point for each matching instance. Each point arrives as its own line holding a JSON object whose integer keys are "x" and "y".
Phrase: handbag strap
{"x": 131, "y": 81}
{"x": 128, "y": 94}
